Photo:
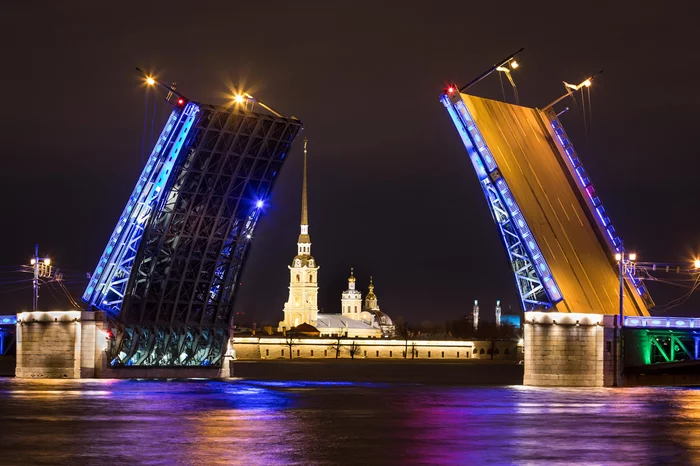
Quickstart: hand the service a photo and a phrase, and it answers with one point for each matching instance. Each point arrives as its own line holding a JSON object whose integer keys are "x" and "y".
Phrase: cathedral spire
{"x": 304, "y": 207}
{"x": 304, "y": 241}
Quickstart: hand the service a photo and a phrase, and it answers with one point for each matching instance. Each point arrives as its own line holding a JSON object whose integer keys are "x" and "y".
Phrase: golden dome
{"x": 370, "y": 292}
{"x": 352, "y": 275}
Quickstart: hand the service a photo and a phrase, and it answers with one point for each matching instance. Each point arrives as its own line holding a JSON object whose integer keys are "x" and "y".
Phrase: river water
{"x": 265, "y": 422}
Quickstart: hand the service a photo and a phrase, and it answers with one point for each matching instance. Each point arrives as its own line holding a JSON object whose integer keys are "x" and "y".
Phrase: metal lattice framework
{"x": 536, "y": 285}
{"x": 168, "y": 275}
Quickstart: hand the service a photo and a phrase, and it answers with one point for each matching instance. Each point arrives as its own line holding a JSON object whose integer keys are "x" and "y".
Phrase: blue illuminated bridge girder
{"x": 168, "y": 276}
{"x": 574, "y": 272}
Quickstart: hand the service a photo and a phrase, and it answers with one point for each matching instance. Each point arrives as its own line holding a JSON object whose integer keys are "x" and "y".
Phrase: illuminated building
{"x": 302, "y": 305}
{"x": 351, "y": 299}
{"x": 170, "y": 272}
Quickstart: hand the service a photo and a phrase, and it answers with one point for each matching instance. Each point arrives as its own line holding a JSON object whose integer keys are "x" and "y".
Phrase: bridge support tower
{"x": 574, "y": 350}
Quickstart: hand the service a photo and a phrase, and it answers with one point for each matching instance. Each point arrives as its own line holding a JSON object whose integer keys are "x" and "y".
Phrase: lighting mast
{"x": 42, "y": 268}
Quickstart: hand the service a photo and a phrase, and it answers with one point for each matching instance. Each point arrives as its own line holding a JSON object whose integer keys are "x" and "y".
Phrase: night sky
{"x": 391, "y": 189}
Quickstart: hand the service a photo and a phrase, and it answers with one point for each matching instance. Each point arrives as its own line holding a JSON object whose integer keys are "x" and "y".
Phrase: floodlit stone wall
{"x": 48, "y": 344}
{"x": 71, "y": 345}
{"x": 575, "y": 350}
{"x": 372, "y": 348}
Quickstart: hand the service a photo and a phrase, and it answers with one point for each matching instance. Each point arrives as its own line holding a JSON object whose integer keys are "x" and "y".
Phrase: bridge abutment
{"x": 71, "y": 345}
{"x": 573, "y": 350}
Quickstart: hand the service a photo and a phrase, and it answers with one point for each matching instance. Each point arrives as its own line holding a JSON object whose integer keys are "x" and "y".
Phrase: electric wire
{"x": 143, "y": 134}
{"x": 503, "y": 89}
{"x": 153, "y": 121}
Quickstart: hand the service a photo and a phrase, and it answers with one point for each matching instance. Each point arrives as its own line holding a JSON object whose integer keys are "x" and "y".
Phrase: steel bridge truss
{"x": 137, "y": 345}
{"x": 107, "y": 286}
{"x": 533, "y": 277}
{"x": 530, "y": 287}
{"x": 591, "y": 199}
{"x": 169, "y": 275}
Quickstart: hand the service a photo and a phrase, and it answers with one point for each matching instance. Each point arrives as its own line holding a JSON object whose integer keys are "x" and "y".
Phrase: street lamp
{"x": 696, "y": 263}
{"x": 42, "y": 268}
{"x": 625, "y": 264}
{"x": 513, "y": 65}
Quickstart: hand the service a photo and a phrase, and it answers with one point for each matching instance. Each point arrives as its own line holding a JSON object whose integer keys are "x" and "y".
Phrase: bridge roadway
{"x": 581, "y": 264}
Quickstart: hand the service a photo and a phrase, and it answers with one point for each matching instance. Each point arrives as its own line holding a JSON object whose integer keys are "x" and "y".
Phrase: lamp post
{"x": 625, "y": 264}
{"x": 42, "y": 268}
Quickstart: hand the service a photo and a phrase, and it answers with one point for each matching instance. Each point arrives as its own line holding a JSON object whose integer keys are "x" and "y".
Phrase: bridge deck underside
{"x": 531, "y": 165}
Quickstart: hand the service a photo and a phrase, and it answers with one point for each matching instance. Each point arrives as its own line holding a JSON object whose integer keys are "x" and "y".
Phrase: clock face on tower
{"x": 311, "y": 262}
{"x": 297, "y": 263}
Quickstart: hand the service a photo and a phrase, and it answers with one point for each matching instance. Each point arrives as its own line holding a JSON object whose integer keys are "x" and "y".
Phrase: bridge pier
{"x": 72, "y": 344}
{"x": 573, "y": 350}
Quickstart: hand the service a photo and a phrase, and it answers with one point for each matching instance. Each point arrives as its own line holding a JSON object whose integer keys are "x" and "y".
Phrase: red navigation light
{"x": 180, "y": 101}
{"x": 450, "y": 90}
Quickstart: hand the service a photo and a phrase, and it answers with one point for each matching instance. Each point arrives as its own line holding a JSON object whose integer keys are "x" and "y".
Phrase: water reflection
{"x": 248, "y": 422}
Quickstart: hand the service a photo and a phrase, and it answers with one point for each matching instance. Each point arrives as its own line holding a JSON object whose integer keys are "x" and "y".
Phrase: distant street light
{"x": 626, "y": 264}
{"x": 513, "y": 64}
{"x": 150, "y": 81}
{"x": 42, "y": 268}
{"x": 697, "y": 263}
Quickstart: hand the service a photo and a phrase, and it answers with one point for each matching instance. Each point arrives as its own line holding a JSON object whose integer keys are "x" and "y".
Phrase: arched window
{"x": 506, "y": 351}
{"x": 443, "y": 354}
{"x": 490, "y": 351}
{"x": 498, "y": 351}
{"x": 298, "y": 279}
{"x": 355, "y": 309}
{"x": 482, "y": 351}
{"x": 311, "y": 278}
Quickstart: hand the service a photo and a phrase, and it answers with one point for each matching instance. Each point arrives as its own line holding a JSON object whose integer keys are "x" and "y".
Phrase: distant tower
{"x": 302, "y": 306}
{"x": 475, "y": 314}
{"x": 351, "y": 300}
{"x": 371, "y": 298}
{"x": 498, "y": 313}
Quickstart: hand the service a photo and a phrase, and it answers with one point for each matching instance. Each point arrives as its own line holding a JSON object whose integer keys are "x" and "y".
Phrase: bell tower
{"x": 351, "y": 300}
{"x": 302, "y": 305}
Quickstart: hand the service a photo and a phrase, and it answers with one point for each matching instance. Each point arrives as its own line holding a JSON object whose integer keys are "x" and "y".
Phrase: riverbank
{"x": 469, "y": 372}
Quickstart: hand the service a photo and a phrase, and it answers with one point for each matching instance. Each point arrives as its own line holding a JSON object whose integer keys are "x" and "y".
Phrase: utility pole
{"x": 625, "y": 263}
{"x": 42, "y": 268}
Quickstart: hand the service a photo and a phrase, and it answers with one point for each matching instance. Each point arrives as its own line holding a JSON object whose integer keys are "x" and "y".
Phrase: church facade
{"x": 356, "y": 320}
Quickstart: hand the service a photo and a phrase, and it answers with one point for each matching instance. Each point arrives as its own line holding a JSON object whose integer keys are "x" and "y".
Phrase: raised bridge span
{"x": 558, "y": 236}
